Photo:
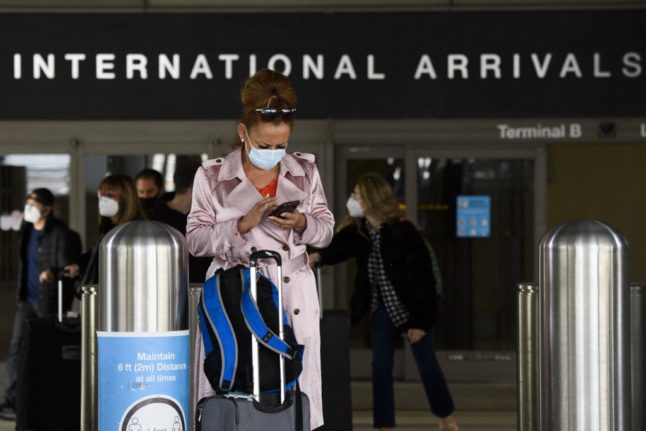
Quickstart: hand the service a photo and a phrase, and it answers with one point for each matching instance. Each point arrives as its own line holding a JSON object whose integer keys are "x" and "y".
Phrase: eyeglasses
{"x": 274, "y": 114}
{"x": 109, "y": 194}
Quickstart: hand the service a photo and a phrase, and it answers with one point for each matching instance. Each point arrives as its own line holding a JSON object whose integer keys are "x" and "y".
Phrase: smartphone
{"x": 285, "y": 207}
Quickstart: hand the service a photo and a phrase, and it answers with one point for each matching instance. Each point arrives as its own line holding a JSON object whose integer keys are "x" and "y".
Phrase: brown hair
{"x": 378, "y": 197}
{"x": 267, "y": 88}
{"x": 129, "y": 205}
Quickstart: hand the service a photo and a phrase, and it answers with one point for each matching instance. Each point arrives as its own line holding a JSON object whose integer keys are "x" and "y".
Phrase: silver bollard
{"x": 143, "y": 278}
{"x": 194, "y": 297}
{"x": 584, "y": 332}
{"x": 140, "y": 330}
{"x": 637, "y": 346}
{"x": 88, "y": 362}
{"x": 527, "y": 357}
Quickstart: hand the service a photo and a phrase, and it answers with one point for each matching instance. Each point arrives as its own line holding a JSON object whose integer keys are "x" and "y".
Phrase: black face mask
{"x": 147, "y": 203}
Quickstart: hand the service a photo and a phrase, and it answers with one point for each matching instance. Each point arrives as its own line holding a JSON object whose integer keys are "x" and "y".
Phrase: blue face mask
{"x": 264, "y": 159}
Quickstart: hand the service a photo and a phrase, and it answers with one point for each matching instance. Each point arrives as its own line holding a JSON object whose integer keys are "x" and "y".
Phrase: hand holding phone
{"x": 285, "y": 207}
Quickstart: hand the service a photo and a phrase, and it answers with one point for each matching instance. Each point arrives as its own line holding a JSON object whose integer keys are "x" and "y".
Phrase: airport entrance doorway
{"x": 482, "y": 252}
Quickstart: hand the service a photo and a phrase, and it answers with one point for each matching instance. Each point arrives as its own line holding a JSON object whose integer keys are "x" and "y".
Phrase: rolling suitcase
{"x": 48, "y": 388}
{"x": 335, "y": 366}
{"x": 250, "y": 412}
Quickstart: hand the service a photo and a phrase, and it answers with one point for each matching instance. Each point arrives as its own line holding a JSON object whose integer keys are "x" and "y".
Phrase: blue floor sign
{"x": 143, "y": 381}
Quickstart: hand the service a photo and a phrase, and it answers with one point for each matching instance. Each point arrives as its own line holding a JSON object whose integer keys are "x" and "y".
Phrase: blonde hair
{"x": 378, "y": 198}
{"x": 129, "y": 205}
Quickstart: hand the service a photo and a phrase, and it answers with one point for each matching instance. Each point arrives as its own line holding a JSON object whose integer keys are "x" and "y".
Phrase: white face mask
{"x": 108, "y": 207}
{"x": 264, "y": 159}
{"x": 32, "y": 214}
{"x": 354, "y": 208}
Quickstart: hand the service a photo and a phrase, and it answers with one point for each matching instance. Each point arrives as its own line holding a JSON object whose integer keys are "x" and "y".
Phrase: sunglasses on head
{"x": 273, "y": 114}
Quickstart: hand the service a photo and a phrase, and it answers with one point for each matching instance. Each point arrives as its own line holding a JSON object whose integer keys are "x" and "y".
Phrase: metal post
{"x": 142, "y": 339}
{"x": 527, "y": 357}
{"x": 88, "y": 362}
{"x": 637, "y": 345}
{"x": 194, "y": 297}
{"x": 584, "y": 330}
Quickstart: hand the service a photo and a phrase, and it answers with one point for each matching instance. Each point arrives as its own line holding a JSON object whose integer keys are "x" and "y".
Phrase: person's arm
{"x": 319, "y": 222}
{"x": 205, "y": 235}
{"x": 420, "y": 280}
{"x": 345, "y": 245}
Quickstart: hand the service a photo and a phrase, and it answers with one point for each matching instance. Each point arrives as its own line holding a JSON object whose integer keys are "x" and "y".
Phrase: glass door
{"x": 479, "y": 272}
{"x": 483, "y": 252}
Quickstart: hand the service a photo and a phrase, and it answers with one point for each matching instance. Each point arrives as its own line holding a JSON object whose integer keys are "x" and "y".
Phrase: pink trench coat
{"x": 221, "y": 195}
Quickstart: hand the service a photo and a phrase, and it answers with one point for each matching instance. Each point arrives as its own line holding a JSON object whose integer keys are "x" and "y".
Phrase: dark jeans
{"x": 24, "y": 311}
{"x": 384, "y": 334}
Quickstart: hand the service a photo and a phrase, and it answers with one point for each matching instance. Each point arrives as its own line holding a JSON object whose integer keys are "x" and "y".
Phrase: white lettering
{"x": 425, "y": 67}
{"x": 17, "y": 66}
{"x": 570, "y": 65}
{"x": 168, "y": 66}
{"x": 632, "y": 69}
{"x": 315, "y": 67}
{"x": 44, "y": 67}
{"x": 228, "y": 63}
{"x": 74, "y": 60}
{"x": 541, "y": 68}
{"x": 457, "y": 62}
{"x": 287, "y": 69}
{"x": 372, "y": 75}
{"x": 201, "y": 67}
{"x": 598, "y": 73}
{"x": 253, "y": 64}
{"x": 136, "y": 62}
{"x": 516, "y": 72}
{"x": 105, "y": 66}
{"x": 490, "y": 62}
{"x": 575, "y": 130}
{"x": 345, "y": 67}
{"x": 533, "y": 132}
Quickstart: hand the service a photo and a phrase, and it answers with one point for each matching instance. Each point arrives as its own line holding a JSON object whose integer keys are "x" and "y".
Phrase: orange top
{"x": 269, "y": 189}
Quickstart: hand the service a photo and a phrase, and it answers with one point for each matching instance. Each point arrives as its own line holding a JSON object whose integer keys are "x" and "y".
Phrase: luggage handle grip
{"x": 264, "y": 254}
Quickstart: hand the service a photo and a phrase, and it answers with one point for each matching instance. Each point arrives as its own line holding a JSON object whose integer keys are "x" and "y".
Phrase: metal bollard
{"x": 88, "y": 362}
{"x": 527, "y": 357}
{"x": 141, "y": 336}
{"x": 584, "y": 332}
{"x": 194, "y": 297}
{"x": 637, "y": 346}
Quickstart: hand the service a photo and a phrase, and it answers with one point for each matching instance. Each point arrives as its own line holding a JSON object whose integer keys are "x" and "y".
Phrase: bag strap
{"x": 215, "y": 324}
{"x": 256, "y": 324}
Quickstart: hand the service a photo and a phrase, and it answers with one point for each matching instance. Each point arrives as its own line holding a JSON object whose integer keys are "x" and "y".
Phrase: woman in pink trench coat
{"x": 228, "y": 219}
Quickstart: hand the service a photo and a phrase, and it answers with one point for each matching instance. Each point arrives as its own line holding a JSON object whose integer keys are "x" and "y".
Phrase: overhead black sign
{"x": 345, "y": 65}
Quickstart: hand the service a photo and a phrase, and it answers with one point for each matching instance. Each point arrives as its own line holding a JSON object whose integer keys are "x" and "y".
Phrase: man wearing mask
{"x": 150, "y": 187}
{"x": 46, "y": 247}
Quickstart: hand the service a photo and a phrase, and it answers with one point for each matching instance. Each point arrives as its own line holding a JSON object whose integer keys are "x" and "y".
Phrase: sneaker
{"x": 7, "y": 412}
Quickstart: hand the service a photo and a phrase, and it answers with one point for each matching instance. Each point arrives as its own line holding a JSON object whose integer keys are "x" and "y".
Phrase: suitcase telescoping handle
{"x": 253, "y": 260}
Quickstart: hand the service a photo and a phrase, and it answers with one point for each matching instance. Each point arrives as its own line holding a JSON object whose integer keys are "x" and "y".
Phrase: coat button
{"x": 285, "y": 247}
{"x": 296, "y": 310}
{"x": 254, "y": 249}
{"x": 286, "y": 280}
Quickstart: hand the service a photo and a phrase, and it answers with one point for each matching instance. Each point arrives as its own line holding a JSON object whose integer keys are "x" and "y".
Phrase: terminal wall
{"x": 604, "y": 182}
